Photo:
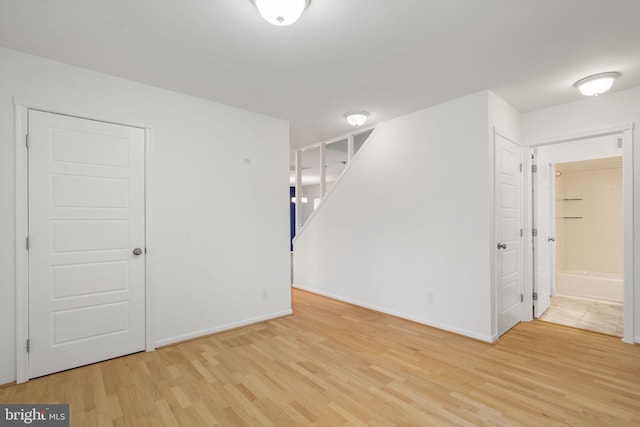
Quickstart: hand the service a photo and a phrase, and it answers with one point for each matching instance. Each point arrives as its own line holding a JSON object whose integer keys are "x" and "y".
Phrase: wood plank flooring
{"x": 333, "y": 364}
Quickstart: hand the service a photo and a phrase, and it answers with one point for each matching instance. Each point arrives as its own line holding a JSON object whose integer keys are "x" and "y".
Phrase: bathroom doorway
{"x": 586, "y": 233}
{"x": 589, "y": 248}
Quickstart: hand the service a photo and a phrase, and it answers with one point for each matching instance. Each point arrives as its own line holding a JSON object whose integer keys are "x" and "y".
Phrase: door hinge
{"x": 534, "y": 232}
{"x": 26, "y": 140}
{"x": 521, "y": 232}
{"x": 521, "y": 297}
{"x": 534, "y": 168}
{"x": 27, "y": 242}
{"x": 535, "y": 296}
{"x": 520, "y": 167}
{"x": 28, "y": 345}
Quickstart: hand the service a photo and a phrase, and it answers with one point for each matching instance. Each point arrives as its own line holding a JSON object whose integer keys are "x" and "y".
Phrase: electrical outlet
{"x": 430, "y": 297}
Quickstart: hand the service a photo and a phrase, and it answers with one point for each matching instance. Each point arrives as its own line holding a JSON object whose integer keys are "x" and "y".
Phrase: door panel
{"x": 508, "y": 225}
{"x": 73, "y": 146}
{"x": 74, "y": 325}
{"x": 79, "y": 192}
{"x": 86, "y": 214}
{"x": 70, "y": 280}
{"x": 542, "y": 245}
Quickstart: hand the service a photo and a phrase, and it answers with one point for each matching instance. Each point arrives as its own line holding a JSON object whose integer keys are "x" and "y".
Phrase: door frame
{"x": 626, "y": 131}
{"x": 21, "y": 127}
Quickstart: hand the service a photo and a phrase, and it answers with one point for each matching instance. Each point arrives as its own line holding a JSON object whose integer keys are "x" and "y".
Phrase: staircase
{"x": 318, "y": 168}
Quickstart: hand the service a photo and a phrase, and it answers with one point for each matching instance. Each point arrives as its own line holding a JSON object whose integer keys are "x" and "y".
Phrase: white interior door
{"x": 542, "y": 254}
{"x": 86, "y": 215}
{"x": 508, "y": 199}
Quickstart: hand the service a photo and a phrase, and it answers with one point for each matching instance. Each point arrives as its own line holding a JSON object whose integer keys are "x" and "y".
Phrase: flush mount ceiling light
{"x": 281, "y": 12}
{"x": 356, "y": 118}
{"x": 596, "y": 84}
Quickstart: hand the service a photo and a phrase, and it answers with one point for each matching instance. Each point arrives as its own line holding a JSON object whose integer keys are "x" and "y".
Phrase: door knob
{"x": 552, "y": 239}
{"x": 137, "y": 251}
{"x": 502, "y": 246}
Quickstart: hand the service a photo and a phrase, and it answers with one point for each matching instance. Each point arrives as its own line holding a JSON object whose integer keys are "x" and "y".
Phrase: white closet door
{"x": 508, "y": 235}
{"x": 86, "y": 217}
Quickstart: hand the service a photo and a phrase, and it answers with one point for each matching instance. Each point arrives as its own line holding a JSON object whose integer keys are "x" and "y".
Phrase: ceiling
{"x": 387, "y": 57}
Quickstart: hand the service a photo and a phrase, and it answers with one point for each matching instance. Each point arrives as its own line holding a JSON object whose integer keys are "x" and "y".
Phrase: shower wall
{"x": 589, "y": 216}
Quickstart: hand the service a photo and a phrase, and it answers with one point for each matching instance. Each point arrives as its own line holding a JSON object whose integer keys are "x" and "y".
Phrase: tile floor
{"x": 585, "y": 314}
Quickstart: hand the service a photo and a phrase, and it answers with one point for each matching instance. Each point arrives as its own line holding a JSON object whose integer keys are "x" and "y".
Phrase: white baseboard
{"x": 486, "y": 338}
{"x": 221, "y": 328}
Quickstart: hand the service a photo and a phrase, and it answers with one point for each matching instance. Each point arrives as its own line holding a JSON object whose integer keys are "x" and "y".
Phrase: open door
{"x": 542, "y": 233}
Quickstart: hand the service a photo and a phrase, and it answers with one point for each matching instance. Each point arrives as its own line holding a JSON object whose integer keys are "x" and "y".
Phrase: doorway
{"x": 588, "y": 291}
{"x": 605, "y": 153}
{"x": 85, "y": 258}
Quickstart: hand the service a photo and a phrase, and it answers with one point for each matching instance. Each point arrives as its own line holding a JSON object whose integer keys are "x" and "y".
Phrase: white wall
{"x": 612, "y": 109}
{"x": 410, "y": 217}
{"x": 219, "y": 226}
{"x": 504, "y": 118}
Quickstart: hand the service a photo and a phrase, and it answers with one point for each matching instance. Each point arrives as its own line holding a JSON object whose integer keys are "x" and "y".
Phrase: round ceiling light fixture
{"x": 281, "y": 12}
{"x": 597, "y": 84}
{"x": 357, "y": 117}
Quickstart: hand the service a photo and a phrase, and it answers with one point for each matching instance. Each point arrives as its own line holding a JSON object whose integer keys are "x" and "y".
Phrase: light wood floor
{"x": 333, "y": 364}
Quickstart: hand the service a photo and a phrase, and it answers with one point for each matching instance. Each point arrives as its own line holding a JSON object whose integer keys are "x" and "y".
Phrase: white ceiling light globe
{"x": 596, "y": 84}
{"x": 281, "y": 12}
{"x": 356, "y": 118}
